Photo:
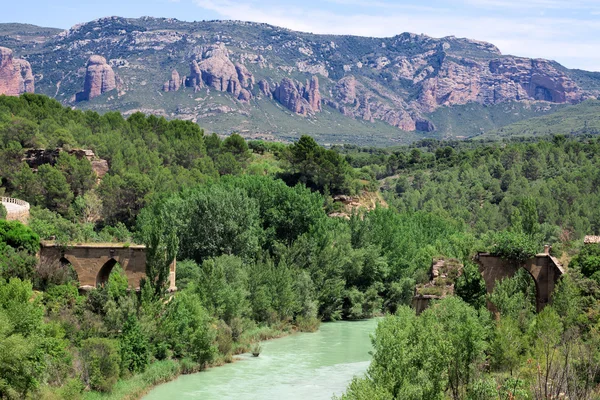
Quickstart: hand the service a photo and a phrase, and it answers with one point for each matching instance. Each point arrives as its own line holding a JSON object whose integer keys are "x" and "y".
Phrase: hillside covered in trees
{"x": 259, "y": 256}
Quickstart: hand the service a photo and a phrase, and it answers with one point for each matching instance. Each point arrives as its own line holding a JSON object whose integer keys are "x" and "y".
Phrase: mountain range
{"x": 269, "y": 82}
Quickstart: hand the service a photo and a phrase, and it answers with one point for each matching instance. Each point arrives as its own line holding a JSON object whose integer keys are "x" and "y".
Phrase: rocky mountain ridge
{"x": 260, "y": 79}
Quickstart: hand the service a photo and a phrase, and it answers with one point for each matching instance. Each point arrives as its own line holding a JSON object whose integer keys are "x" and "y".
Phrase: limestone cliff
{"x": 298, "y": 98}
{"x": 239, "y": 70}
{"x": 15, "y": 74}
{"x": 173, "y": 84}
{"x": 99, "y": 78}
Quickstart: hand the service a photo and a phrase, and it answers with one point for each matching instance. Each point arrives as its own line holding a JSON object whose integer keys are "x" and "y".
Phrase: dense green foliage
{"x": 258, "y": 255}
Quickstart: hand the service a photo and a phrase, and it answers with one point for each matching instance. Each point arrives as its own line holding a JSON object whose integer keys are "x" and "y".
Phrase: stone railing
{"x": 16, "y": 210}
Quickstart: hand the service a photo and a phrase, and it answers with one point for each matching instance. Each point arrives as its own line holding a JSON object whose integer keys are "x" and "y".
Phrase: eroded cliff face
{"x": 173, "y": 84}
{"x": 497, "y": 81}
{"x": 242, "y": 68}
{"x": 16, "y": 76}
{"x": 99, "y": 78}
{"x": 298, "y": 98}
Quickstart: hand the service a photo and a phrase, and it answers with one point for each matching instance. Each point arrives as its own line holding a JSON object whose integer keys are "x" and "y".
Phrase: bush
{"x": 134, "y": 347}
{"x": 2, "y": 211}
{"x": 588, "y": 260}
{"x": 101, "y": 362}
{"x": 18, "y": 236}
{"x": 516, "y": 246}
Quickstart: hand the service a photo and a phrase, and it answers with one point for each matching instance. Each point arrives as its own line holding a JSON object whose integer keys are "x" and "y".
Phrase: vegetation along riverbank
{"x": 270, "y": 236}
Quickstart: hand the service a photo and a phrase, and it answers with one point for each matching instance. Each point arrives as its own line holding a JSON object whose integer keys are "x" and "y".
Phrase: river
{"x": 301, "y": 366}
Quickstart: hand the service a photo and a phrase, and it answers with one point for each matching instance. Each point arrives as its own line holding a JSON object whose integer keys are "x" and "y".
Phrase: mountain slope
{"x": 578, "y": 119}
{"x": 271, "y": 82}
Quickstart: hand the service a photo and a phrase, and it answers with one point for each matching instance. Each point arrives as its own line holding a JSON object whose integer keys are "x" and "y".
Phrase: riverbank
{"x": 160, "y": 372}
{"x": 296, "y": 367}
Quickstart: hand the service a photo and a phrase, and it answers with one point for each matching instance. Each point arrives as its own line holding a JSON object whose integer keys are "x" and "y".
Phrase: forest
{"x": 258, "y": 256}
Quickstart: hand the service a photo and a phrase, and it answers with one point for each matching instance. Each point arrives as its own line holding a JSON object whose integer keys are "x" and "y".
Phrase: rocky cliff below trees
{"x": 247, "y": 77}
{"x": 15, "y": 74}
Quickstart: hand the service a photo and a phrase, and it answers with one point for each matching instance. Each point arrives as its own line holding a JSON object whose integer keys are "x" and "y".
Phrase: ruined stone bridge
{"x": 543, "y": 268}
{"x": 93, "y": 262}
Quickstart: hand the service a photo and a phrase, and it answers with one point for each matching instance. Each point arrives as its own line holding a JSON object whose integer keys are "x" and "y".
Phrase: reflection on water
{"x": 302, "y": 366}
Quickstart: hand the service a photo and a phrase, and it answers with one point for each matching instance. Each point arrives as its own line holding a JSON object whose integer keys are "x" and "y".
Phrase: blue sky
{"x": 566, "y": 31}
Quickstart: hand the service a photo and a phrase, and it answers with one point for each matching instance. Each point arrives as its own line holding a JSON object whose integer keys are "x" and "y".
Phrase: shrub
{"x": 134, "y": 346}
{"x": 101, "y": 362}
{"x": 588, "y": 260}
{"x": 517, "y": 246}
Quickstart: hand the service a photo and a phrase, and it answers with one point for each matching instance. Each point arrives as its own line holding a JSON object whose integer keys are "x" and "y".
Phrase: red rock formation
{"x": 353, "y": 99}
{"x": 194, "y": 80}
{"x": 497, "y": 81}
{"x": 312, "y": 94}
{"x": 218, "y": 72}
{"x": 289, "y": 94}
{"x": 244, "y": 76}
{"x": 244, "y": 95}
{"x": 265, "y": 88}
{"x": 15, "y": 74}
{"x": 99, "y": 78}
{"x": 173, "y": 84}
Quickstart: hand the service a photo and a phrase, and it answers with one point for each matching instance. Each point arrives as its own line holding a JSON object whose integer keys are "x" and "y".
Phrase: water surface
{"x": 303, "y": 366}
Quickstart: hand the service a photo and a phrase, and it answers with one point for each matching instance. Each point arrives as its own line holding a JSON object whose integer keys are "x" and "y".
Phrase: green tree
{"x": 133, "y": 346}
{"x": 158, "y": 229}
{"x": 55, "y": 189}
{"x": 101, "y": 363}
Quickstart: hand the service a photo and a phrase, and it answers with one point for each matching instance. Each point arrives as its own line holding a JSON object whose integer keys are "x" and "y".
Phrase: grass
{"x": 138, "y": 385}
{"x": 583, "y": 118}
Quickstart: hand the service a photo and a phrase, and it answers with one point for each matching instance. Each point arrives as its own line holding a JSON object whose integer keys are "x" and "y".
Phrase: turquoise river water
{"x": 306, "y": 366}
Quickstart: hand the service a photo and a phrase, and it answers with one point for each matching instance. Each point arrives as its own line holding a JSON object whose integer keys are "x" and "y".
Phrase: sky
{"x": 567, "y": 31}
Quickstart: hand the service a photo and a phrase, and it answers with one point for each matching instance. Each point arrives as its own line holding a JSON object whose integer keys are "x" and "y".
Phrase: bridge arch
{"x": 104, "y": 272}
{"x": 543, "y": 268}
{"x": 93, "y": 262}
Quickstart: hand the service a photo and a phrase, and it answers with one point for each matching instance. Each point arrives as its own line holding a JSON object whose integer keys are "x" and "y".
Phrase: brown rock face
{"x": 295, "y": 97}
{"x": 216, "y": 71}
{"x": 194, "y": 80}
{"x": 265, "y": 88}
{"x": 15, "y": 74}
{"x": 354, "y": 99}
{"x": 289, "y": 95}
{"x": 173, "y": 84}
{"x": 36, "y": 157}
{"x": 497, "y": 81}
{"x": 245, "y": 77}
{"x": 312, "y": 94}
{"x": 99, "y": 78}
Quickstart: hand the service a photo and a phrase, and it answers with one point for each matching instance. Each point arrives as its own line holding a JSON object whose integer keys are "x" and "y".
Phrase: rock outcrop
{"x": 312, "y": 94}
{"x": 173, "y": 84}
{"x": 216, "y": 70}
{"x": 15, "y": 74}
{"x": 354, "y": 99}
{"x": 99, "y": 78}
{"x": 497, "y": 81}
{"x": 265, "y": 88}
{"x": 36, "y": 157}
{"x": 194, "y": 80}
{"x": 298, "y": 98}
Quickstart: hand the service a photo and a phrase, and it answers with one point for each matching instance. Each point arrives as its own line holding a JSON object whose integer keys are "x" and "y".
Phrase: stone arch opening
{"x": 105, "y": 271}
{"x": 543, "y": 268}
{"x": 67, "y": 266}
